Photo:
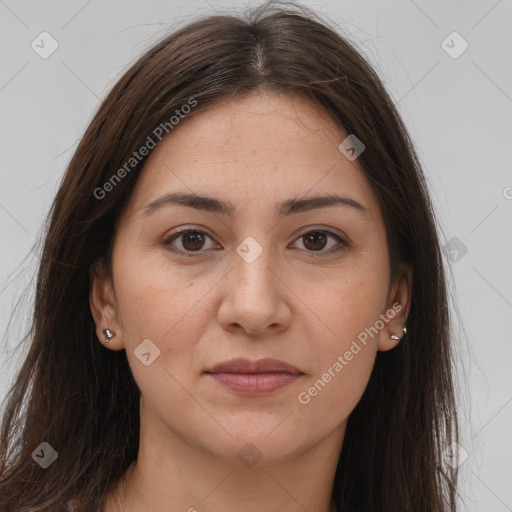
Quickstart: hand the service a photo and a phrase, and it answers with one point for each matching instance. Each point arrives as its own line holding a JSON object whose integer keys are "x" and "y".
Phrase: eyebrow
{"x": 217, "y": 206}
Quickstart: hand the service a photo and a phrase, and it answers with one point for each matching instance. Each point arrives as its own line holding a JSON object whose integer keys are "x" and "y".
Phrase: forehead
{"x": 266, "y": 147}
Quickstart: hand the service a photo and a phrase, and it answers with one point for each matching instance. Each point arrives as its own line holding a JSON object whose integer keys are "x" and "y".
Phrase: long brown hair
{"x": 82, "y": 399}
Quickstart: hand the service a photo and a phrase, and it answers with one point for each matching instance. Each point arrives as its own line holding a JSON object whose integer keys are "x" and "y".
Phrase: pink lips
{"x": 254, "y": 378}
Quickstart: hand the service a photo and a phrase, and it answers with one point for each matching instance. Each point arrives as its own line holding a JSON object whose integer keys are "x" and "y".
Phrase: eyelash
{"x": 342, "y": 244}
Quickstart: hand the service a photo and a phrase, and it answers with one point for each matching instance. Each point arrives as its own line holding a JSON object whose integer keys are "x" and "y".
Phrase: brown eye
{"x": 315, "y": 240}
{"x": 318, "y": 241}
{"x": 188, "y": 241}
{"x": 193, "y": 240}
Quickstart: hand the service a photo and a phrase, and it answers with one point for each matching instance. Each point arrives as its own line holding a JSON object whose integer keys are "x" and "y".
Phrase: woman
{"x": 241, "y": 301}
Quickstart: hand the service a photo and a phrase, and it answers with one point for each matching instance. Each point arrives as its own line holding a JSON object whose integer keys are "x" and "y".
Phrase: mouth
{"x": 254, "y": 378}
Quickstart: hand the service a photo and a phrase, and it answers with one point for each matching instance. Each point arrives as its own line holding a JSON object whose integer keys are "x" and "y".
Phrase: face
{"x": 256, "y": 271}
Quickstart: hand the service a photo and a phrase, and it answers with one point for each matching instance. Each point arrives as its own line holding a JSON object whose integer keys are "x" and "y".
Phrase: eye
{"x": 317, "y": 240}
{"x": 189, "y": 241}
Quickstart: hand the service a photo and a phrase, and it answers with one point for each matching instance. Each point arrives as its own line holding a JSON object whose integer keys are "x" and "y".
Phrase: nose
{"x": 255, "y": 297}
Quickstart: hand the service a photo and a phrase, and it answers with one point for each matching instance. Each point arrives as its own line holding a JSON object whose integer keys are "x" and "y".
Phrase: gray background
{"x": 458, "y": 111}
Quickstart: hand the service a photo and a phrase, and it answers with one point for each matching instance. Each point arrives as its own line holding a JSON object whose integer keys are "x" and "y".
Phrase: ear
{"x": 397, "y": 308}
{"x": 103, "y": 306}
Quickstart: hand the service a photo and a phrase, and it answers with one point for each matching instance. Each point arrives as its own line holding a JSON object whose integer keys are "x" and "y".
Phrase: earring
{"x": 108, "y": 334}
{"x": 393, "y": 337}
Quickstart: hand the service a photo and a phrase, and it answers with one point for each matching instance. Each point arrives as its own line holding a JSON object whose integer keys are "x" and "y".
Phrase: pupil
{"x": 315, "y": 237}
{"x": 196, "y": 238}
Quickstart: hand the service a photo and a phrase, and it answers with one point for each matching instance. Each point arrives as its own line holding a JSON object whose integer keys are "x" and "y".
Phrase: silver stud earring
{"x": 108, "y": 334}
{"x": 393, "y": 337}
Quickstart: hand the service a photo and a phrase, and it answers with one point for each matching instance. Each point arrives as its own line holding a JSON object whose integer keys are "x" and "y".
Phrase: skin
{"x": 297, "y": 301}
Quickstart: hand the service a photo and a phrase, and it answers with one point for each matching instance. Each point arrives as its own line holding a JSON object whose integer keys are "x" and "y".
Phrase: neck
{"x": 170, "y": 470}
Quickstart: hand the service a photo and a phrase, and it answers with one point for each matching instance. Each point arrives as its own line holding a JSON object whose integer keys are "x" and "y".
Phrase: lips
{"x": 261, "y": 366}
{"x": 254, "y": 378}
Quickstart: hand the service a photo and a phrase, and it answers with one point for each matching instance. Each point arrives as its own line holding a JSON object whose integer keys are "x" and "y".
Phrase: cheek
{"x": 351, "y": 298}
{"x": 344, "y": 358}
{"x": 155, "y": 298}
{"x": 171, "y": 308}
{"x": 350, "y": 305}
{"x": 331, "y": 395}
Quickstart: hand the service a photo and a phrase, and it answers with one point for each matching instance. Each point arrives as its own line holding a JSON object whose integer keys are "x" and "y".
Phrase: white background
{"x": 458, "y": 112}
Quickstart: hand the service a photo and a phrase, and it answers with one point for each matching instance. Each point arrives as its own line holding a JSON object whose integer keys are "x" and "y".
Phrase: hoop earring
{"x": 108, "y": 334}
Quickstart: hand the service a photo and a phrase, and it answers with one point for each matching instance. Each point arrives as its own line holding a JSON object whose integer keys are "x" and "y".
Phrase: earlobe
{"x": 108, "y": 334}
{"x": 103, "y": 307}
